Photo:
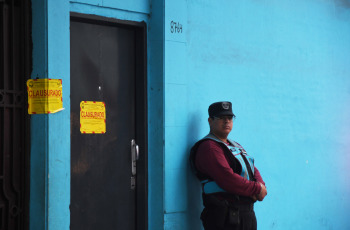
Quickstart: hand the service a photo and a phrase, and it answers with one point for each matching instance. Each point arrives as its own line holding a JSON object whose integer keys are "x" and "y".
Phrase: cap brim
{"x": 225, "y": 113}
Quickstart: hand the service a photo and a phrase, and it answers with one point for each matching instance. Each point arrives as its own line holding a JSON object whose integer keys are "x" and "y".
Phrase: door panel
{"x": 103, "y": 68}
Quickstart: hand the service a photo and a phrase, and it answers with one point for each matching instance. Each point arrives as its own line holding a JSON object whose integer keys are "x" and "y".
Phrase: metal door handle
{"x": 134, "y": 156}
{"x": 137, "y": 152}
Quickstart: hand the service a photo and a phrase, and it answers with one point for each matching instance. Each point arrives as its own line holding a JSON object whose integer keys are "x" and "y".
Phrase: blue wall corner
{"x": 59, "y": 123}
{"x": 156, "y": 117}
{"x": 50, "y": 133}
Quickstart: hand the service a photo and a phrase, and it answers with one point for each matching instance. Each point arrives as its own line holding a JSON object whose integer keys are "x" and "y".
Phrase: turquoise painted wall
{"x": 176, "y": 115}
{"x": 50, "y": 133}
{"x": 285, "y": 67}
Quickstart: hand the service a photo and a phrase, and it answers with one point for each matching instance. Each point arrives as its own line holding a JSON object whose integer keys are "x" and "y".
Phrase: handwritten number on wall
{"x": 175, "y": 27}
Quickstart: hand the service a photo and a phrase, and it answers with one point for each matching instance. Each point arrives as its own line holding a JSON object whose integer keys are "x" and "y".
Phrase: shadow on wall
{"x": 194, "y": 192}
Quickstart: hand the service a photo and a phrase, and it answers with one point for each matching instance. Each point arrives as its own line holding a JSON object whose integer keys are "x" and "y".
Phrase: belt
{"x": 235, "y": 199}
{"x": 238, "y": 202}
{"x": 243, "y": 207}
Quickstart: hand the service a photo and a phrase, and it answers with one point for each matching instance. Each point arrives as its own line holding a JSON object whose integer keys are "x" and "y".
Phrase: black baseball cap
{"x": 222, "y": 108}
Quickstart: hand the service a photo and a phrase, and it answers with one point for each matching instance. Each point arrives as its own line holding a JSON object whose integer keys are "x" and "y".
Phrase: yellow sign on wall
{"x": 44, "y": 96}
{"x": 92, "y": 117}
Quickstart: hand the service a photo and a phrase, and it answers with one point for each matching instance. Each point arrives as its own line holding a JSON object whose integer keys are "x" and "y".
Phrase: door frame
{"x": 141, "y": 107}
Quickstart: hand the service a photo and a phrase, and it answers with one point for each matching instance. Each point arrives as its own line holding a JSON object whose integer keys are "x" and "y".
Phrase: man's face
{"x": 221, "y": 126}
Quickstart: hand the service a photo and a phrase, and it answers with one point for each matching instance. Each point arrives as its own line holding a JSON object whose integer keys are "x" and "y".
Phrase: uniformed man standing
{"x": 230, "y": 181}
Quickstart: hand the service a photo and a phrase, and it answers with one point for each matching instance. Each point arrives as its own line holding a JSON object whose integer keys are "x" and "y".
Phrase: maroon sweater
{"x": 211, "y": 160}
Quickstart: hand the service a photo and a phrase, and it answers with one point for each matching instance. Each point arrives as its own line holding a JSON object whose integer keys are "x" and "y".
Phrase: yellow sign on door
{"x": 44, "y": 96}
{"x": 92, "y": 117}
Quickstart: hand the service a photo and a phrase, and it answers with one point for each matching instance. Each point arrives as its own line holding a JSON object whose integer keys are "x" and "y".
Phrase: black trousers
{"x": 247, "y": 220}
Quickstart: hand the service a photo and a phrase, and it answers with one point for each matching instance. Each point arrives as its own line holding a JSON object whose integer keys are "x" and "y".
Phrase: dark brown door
{"x": 104, "y": 68}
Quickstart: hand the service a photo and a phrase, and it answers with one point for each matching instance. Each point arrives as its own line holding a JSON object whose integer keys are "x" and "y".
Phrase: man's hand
{"x": 253, "y": 198}
{"x": 262, "y": 193}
